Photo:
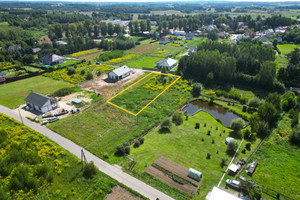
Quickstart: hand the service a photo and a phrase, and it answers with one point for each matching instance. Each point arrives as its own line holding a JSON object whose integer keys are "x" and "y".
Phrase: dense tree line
{"x": 292, "y": 36}
{"x": 220, "y": 63}
{"x": 120, "y": 43}
{"x": 291, "y": 74}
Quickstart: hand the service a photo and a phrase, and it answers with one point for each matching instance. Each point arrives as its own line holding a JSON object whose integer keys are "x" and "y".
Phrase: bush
{"x": 90, "y": 170}
{"x": 295, "y": 136}
{"x": 223, "y": 162}
{"x": 197, "y": 126}
{"x": 247, "y": 134}
{"x": 89, "y": 76}
{"x": 110, "y": 55}
{"x": 136, "y": 144}
{"x": 82, "y": 72}
{"x": 197, "y": 88}
{"x": 232, "y": 146}
{"x": 237, "y": 124}
{"x": 248, "y": 146}
{"x": 244, "y": 108}
{"x": 243, "y": 151}
{"x": 208, "y": 156}
{"x": 166, "y": 125}
{"x": 213, "y": 141}
{"x": 208, "y": 133}
{"x": 288, "y": 101}
{"x": 255, "y": 102}
{"x": 64, "y": 91}
{"x": 178, "y": 117}
{"x": 98, "y": 73}
{"x": 141, "y": 140}
{"x": 123, "y": 149}
{"x": 71, "y": 71}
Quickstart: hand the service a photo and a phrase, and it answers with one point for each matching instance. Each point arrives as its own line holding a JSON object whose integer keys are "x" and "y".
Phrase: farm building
{"x": 169, "y": 63}
{"x": 217, "y": 194}
{"x": 41, "y": 103}
{"x": 119, "y": 73}
{"x": 194, "y": 174}
{"x": 179, "y": 33}
{"x": 52, "y": 59}
{"x": 164, "y": 40}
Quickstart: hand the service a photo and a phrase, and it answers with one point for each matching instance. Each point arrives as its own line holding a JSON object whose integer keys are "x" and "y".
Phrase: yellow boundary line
{"x": 135, "y": 114}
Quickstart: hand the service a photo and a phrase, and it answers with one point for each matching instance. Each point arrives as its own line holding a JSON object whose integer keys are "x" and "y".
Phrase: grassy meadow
{"x": 278, "y": 163}
{"x": 184, "y": 146}
{"x": 145, "y": 62}
{"x": 33, "y": 167}
{"x": 287, "y": 48}
{"x": 103, "y": 126}
{"x": 13, "y": 94}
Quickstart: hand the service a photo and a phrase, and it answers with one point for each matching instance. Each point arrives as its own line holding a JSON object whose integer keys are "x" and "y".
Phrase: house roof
{"x": 77, "y": 101}
{"x": 35, "y": 50}
{"x": 14, "y": 48}
{"x": 121, "y": 70}
{"x": 217, "y": 194}
{"x": 233, "y": 167}
{"x": 168, "y": 62}
{"x": 189, "y": 35}
{"x": 2, "y": 74}
{"x": 44, "y": 41}
{"x": 37, "y": 99}
{"x": 52, "y": 58}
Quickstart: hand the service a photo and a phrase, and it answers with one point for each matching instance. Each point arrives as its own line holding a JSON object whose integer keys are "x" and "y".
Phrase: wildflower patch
{"x": 138, "y": 96}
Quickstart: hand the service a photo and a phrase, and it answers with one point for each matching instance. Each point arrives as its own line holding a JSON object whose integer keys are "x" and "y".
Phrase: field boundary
{"x": 135, "y": 114}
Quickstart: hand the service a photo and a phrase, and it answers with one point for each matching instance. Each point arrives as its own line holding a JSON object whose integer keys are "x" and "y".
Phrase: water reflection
{"x": 216, "y": 111}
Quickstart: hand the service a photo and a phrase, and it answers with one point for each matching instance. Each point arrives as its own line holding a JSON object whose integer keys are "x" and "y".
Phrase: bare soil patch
{"x": 175, "y": 169}
{"x": 143, "y": 49}
{"x": 186, "y": 188}
{"x": 107, "y": 89}
{"x": 119, "y": 193}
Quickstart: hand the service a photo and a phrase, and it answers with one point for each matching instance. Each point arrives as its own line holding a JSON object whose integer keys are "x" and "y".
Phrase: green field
{"x": 13, "y": 94}
{"x": 33, "y": 167}
{"x": 278, "y": 163}
{"x": 287, "y": 48}
{"x": 145, "y": 62}
{"x": 184, "y": 146}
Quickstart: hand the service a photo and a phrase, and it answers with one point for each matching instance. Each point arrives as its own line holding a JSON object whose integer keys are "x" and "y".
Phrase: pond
{"x": 216, "y": 111}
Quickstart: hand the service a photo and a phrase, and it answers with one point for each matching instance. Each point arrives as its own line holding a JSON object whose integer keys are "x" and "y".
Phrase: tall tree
{"x": 130, "y": 25}
{"x": 58, "y": 30}
{"x": 110, "y": 29}
{"x": 136, "y": 27}
{"x": 117, "y": 29}
{"x": 148, "y": 25}
{"x": 103, "y": 28}
{"x": 143, "y": 25}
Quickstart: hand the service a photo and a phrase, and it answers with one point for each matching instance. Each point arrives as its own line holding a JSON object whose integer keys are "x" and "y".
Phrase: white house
{"x": 169, "y": 63}
{"x": 119, "y": 73}
{"x": 41, "y": 103}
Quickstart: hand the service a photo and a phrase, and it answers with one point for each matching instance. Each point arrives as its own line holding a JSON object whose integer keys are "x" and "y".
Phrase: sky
{"x": 82, "y": 1}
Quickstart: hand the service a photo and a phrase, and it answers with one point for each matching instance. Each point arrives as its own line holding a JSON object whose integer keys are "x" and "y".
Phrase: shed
{"x": 228, "y": 139}
{"x": 233, "y": 168}
{"x": 119, "y": 73}
{"x": 194, "y": 174}
{"x": 77, "y": 101}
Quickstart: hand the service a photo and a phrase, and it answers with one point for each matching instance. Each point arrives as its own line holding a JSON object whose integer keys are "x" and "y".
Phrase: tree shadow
{"x": 76, "y": 175}
{"x": 164, "y": 131}
{"x": 236, "y": 135}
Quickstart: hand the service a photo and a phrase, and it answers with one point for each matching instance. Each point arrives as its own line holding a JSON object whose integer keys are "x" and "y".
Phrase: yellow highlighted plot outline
{"x": 135, "y": 114}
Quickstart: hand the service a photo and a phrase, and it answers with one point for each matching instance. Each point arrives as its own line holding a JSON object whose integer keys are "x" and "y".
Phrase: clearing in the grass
{"x": 154, "y": 84}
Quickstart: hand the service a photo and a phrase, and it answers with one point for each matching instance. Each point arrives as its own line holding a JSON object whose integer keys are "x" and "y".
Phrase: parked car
{"x": 233, "y": 183}
{"x": 53, "y": 119}
{"x": 75, "y": 110}
{"x": 44, "y": 122}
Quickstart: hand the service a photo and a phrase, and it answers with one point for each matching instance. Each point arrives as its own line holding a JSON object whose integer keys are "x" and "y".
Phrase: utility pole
{"x": 83, "y": 159}
{"x": 21, "y": 116}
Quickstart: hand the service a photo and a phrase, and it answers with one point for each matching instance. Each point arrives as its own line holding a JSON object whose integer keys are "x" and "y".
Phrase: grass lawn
{"x": 13, "y": 94}
{"x": 184, "y": 146}
{"x": 42, "y": 159}
{"x": 69, "y": 62}
{"x": 102, "y": 127}
{"x": 147, "y": 62}
{"x": 287, "y": 48}
{"x": 194, "y": 43}
{"x": 166, "y": 51}
{"x": 278, "y": 163}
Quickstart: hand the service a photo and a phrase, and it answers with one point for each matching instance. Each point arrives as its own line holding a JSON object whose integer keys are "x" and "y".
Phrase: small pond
{"x": 216, "y": 111}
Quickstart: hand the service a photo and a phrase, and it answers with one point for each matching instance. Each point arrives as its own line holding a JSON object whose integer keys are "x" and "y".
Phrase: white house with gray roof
{"x": 119, "y": 73}
{"x": 52, "y": 59}
{"x": 41, "y": 103}
{"x": 169, "y": 63}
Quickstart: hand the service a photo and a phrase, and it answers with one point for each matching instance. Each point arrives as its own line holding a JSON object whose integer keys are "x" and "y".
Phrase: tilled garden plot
{"x": 175, "y": 169}
{"x": 186, "y": 188}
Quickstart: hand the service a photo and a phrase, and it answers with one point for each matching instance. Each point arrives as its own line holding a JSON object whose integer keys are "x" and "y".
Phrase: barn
{"x": 119, "y": 73}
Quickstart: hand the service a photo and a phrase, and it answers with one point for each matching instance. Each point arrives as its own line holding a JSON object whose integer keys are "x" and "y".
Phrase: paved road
{"x": 112, "y": 171}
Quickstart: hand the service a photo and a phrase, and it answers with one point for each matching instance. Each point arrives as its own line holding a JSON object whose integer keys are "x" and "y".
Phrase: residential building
{"x": 119, "y": 73}
{"x": 218, "y": 194}
{"x": 189, "y": 36}
{"x": 164, "y": 40}
{"x": 52, "y": 59}
{"x": 169, "y": 63}
{"x": 179, "y": 33}
{"x": 41, "y": 103}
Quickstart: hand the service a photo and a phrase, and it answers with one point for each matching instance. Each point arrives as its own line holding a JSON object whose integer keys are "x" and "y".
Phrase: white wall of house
{"x": 46, "y": 108}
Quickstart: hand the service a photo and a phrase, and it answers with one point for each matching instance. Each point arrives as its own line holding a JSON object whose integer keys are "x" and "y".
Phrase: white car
{"x": 233, "y": 183}
{"x": 53, "y": 119}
